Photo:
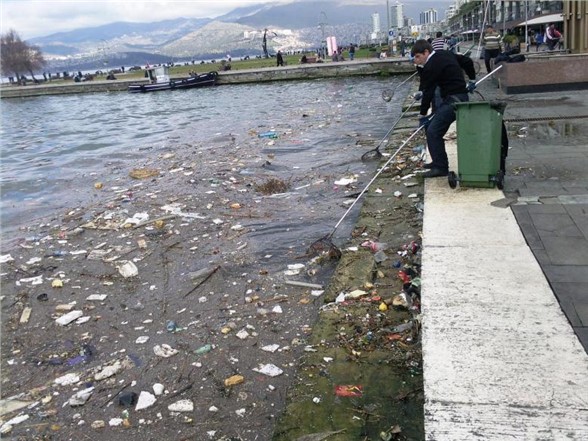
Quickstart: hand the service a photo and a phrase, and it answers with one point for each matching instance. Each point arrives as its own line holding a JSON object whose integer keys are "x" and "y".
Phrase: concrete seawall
{"x": 392, "y": 66}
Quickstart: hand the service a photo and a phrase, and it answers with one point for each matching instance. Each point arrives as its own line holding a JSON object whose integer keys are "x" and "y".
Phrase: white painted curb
{"x": 501, "y": 361}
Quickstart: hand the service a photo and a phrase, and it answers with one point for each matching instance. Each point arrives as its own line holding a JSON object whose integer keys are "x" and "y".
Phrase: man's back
{"x": 441, "y": 70}
{"x": 438, "y": 44}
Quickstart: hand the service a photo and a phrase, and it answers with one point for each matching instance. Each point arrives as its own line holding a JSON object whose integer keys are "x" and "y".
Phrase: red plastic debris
{"x": 349, "y": 390}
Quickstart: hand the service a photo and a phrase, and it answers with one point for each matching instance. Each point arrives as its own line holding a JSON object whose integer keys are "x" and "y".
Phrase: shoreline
{"x": 390, "y": 66}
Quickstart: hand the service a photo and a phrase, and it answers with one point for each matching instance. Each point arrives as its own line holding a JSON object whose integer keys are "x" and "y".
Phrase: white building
{"x": 376, "y": 28}
{"x": 451, "y": 12}
{"x": 397, "y": 15}
{"x": 429, "y": 16}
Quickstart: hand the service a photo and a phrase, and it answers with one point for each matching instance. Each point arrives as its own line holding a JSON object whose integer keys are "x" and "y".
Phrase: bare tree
{"x": 35, "y": 60}
{"x": 18, "y": 57}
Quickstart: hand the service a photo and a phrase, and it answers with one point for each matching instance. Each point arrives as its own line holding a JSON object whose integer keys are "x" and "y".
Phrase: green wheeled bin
{"x": 480, "y": 149}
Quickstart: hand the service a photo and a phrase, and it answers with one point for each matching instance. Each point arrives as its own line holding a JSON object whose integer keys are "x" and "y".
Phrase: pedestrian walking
{"x": 492, "y": 46}
{"x": 538, "y": 40}
{"x": 552, "y": 36}
{"x": 439, "y": 69}
{"x": 351, "y": 51}
{"x": 279, "y": 58}
{"x": 438, "y": 42}
{"x": 452, "y": 44}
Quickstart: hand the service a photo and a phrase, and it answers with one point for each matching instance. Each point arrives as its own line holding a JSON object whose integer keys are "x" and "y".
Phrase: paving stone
{"x": 566, "y": 250}
{"x": 569, "y": 309}
{"x": 565, "y": 273}
{"x": 541, "y": 256}
{"x": 503, "y": 203}
{"x": 574, "y": 199}
{"x": 528, "y": 229}
{"x": 514, "y": 184}
{"x": 528, "y": 199}
{"x": 547, "y": 209}
{"x": 555, "y": 225}
{"x": 577, "y": 291}
{"x": 543, "y": 193}
{"x": 582, "y": 311}
{"x": 576, "y": 192}
{"x": 582, "y": 333}
{"x": 579, "y": 214}
{"x": 573, "y": 298}
{"x": 550, "y": 200}
{"x": 581, "y": 183}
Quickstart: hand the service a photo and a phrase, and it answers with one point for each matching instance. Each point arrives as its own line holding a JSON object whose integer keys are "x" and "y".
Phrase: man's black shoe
{"x": 435, "y": 172}
{"x": 428, "y": 165}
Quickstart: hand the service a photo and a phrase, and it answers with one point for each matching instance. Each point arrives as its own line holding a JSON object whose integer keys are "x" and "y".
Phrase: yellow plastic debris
{"x": 234, "y": 380}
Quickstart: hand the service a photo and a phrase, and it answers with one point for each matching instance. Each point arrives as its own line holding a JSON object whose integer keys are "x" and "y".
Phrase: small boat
{"x": 159, "y": 80}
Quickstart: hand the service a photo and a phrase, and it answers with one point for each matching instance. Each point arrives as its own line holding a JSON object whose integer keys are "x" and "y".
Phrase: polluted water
{"x": 143, "y": 268}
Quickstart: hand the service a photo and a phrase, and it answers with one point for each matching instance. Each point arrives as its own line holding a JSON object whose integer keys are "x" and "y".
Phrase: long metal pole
{"x": 503, "y": 17}
{"x": 388, "y": 15}
{"x": 374, "y": 178}
{"x": 483, "y": 24}
{"x": 526, "y": 25}
{"x": 487, "y": 75}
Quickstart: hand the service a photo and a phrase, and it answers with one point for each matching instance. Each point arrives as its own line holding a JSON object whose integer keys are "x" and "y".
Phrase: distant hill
{"x": 293, "y": 26}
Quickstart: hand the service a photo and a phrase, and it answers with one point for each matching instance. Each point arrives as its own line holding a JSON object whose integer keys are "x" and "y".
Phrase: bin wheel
{"x": 452, "y": 179}
{"x": 500, "y": 180}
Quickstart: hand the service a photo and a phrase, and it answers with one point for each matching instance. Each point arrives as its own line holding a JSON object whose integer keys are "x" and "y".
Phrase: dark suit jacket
{"x": 441, "y": 70}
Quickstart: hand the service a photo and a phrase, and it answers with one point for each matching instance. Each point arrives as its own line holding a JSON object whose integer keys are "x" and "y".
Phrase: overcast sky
{"x": 36, "y": 18}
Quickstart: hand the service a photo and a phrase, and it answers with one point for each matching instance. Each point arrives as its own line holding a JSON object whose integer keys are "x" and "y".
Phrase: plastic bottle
{"x": 271, "y": 134}
{"x": 402, "y": 327}
{"x": 204, "y": 349}
{"x": 374, "y": 246}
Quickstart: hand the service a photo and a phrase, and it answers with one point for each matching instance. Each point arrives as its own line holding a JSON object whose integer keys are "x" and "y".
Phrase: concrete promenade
{"x": 505, "y": 304}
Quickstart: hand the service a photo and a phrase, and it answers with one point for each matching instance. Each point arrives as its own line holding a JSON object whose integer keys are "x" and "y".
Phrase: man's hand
{"x": 424, "y": 121}
{"x": 471, "y": 86}
{"x": 417, "y": 96}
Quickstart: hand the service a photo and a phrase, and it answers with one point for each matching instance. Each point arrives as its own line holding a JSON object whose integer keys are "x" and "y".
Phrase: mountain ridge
{"x": 294, "y": 26}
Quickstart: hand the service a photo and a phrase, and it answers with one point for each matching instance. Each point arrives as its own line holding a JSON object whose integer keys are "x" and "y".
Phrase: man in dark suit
{"x": 439, "y": 69}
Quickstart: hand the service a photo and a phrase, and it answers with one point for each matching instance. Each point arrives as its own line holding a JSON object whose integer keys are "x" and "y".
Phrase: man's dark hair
{"x": 420, "y": 46}
{"x": 438, "y": 34}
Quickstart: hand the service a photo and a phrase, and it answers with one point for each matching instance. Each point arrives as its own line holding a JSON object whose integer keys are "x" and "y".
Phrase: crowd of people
{"x": 493, "y": 43}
